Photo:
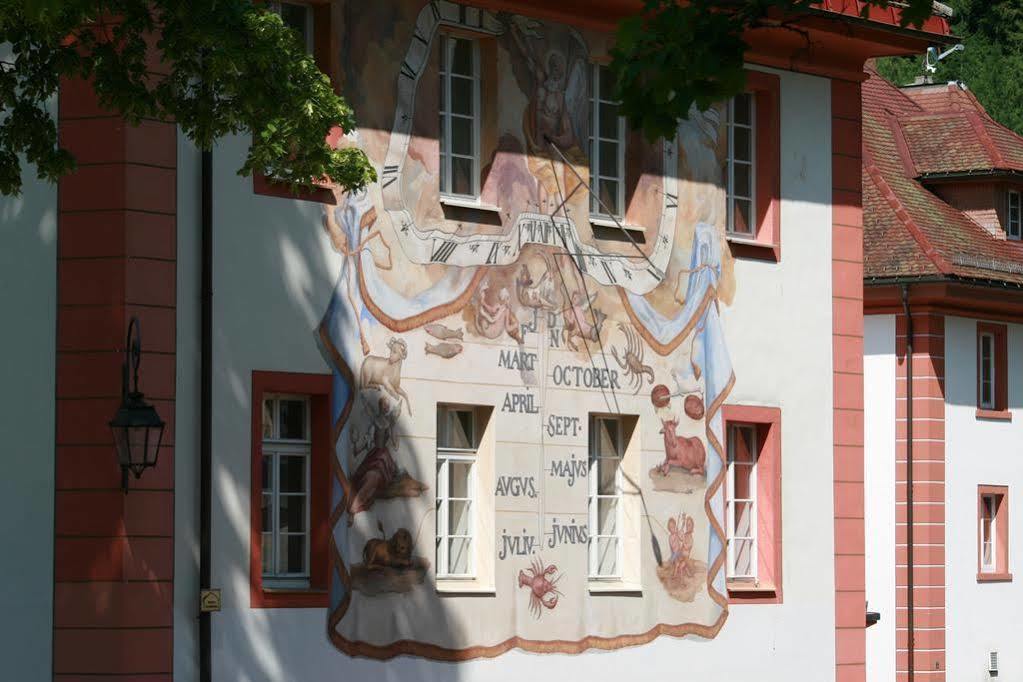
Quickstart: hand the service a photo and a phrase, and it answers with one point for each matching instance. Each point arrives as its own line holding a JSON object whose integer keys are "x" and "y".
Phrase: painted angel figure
{"x": 558, "y": 112}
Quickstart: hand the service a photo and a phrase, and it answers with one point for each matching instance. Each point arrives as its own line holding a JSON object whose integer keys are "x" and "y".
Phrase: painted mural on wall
{"x": 524, "y": 307}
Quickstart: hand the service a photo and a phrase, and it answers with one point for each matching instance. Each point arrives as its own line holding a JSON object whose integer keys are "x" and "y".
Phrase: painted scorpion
{"x": 632, "y": 360}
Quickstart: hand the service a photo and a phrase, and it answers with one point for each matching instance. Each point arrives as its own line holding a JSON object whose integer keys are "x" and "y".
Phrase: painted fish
{"x": 445, "y": 350}
{"x": 439, "y": 331}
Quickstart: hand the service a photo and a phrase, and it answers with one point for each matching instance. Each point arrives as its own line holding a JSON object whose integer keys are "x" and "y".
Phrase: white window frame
{"x": 596, "y": 99}
{"x": 987, "y": 367}
{"x": 593, "y": 476}
{"x": 447, "y": 44}
{"x": 276, "y": 8}
{"x": 274, "y": 447}
{"x": 1014, "y": 218}
{"x": 445, "y": 456}
{"x": 989, "y": 504}
{"x": 752, "y": 163}
{"x": 730, "y": 501}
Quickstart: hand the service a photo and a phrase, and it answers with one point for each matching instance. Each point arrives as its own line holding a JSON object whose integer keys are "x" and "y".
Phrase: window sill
{"x": 465, "y": 202}
{"x": 269, "y": 187}
{"x": 994, "y": 577}
{"x": 749, "y": 248}
{"x": 614, "y": 587}
{"x": 602, "y": 221}
{"x": 465, "y": 587}
{"x": 283, "y": 598}
{"x": 748, "y": 592}
{"x": 994, "y": 415}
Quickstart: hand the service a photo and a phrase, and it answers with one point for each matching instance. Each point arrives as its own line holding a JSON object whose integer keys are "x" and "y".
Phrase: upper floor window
{"x": 287, "y": 450}
{"x": 992, "y": 372}
{"x": 457, "y": 445}
{"x": 607, "y": 148}
{"x": 740, "y": 169}
{"x": 741, "y": 498}
{"x": 1014, "y": 221}
{"x": 298, "y": 17}
{"x": 993, "y": 533}
{"x": 605, "y": 499}
{"x": 987, "y": 370}
{"x": 459, "y": 117}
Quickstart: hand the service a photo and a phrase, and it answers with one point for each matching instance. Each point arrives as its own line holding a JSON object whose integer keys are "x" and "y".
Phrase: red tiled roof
{"x": 908, "y": 230}
{"x": 937, "y": 23}
{"x": 953, "y": 133}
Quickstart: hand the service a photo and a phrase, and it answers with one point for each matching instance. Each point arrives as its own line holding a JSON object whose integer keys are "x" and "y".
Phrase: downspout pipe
{"x": 911, "y": 632}
{"x": 206, "y": 414}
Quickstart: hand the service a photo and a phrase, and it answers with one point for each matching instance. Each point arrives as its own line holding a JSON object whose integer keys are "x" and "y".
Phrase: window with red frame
{"x": 993, "y": 533}
{"x": 751, "y": 171}
{"x": 290, "y": 475}
{"x": 992, "y": 371}
{"x": 753, "y": 503}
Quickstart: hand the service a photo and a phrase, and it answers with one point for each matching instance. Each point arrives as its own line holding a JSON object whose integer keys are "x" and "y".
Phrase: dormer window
{"x": 1013, "y": 229}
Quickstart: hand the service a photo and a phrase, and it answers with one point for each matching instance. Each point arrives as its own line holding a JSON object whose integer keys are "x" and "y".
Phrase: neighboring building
{"x": 941, "y": 196}
{"x": 477, "y": 412}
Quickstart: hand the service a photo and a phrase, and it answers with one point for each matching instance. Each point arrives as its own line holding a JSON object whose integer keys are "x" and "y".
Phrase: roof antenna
{"x": 932, "y": 58}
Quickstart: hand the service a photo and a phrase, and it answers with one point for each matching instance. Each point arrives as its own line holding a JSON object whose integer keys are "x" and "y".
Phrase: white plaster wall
{"x": 186, "y": 417}
{"x": 28, "y": 308}
{"x": 274, "y": 274}
{"x": 879, "y": 367}
{"x": 981, "y": 617}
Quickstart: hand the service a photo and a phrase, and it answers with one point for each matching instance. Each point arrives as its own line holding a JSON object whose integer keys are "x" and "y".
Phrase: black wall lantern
{"x": 136, "y": 426}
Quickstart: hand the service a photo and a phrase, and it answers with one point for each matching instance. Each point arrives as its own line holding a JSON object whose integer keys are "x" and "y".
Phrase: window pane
{"x": 458, "y": 518}
{"x": 461, "y": 176}
{"x": 609, "y": 121}
{"x": 461, "y": 96}
{"x": 459, "y": 484}
{"x": 742, "y": 523}
{"x": 268, "y": 467}
{"x": 292, "y": 513}
{"x": 609, "y": 195}
{"x": 741, "y": 109}
{"x": 292, "y": 554}
{"x": 743, "y": 444}
{"x": 266, "y": 547}
{"x": 266, "y": 507}
{"x": 292, "y": 473}
{"x": 987, "y": 556}
{"x": 742, "y": 144}
{"x": 292, "y": 419}
{"x": 741, "y": 217}
{"x": 607, "y": 437}
{"x": 461, "y": 136}
{"x": 742, "y": 180}
{"x": 458, "y": 555}
{"x": 457, "y": 431}
{"x": 268, "y": 419}
{"x": 609, "y": 159}
{"x": 607, "y": 470}
{"x": 461, "y": 61}
{"x": 295, "y": 17}
{"x": 742, "y": 557}
{"x": 743, "y": 487}
{"x": 607, "y": 516}
{"x": 607, "y": 83}
{"x": 607, "y": 556}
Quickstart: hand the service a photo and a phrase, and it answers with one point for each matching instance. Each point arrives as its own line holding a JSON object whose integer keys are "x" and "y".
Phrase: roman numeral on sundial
{"x": 442, "y": 252}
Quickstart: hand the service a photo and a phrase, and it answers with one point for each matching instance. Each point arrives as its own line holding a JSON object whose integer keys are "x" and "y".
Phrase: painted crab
{"x": 632, "y": 360}
{"x": 541, "y": 581}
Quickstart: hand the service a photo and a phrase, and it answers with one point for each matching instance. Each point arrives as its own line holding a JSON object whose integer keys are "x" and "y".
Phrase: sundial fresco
{"x": 567, "y": 342}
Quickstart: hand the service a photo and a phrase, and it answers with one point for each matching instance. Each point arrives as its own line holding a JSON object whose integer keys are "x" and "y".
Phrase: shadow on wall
{"x": 275, "y": 272}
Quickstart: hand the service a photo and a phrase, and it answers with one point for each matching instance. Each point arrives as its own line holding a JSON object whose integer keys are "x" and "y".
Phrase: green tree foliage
{"x": 234, "y": 68}
{"x": 992, "y": 64}
{"x": 674, "y": 55}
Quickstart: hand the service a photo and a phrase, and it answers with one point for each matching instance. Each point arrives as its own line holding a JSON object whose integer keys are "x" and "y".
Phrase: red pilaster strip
{"x": 113, "y": 597}
{"x": 928, "y": 499}
{"x": 847, "y": 353}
